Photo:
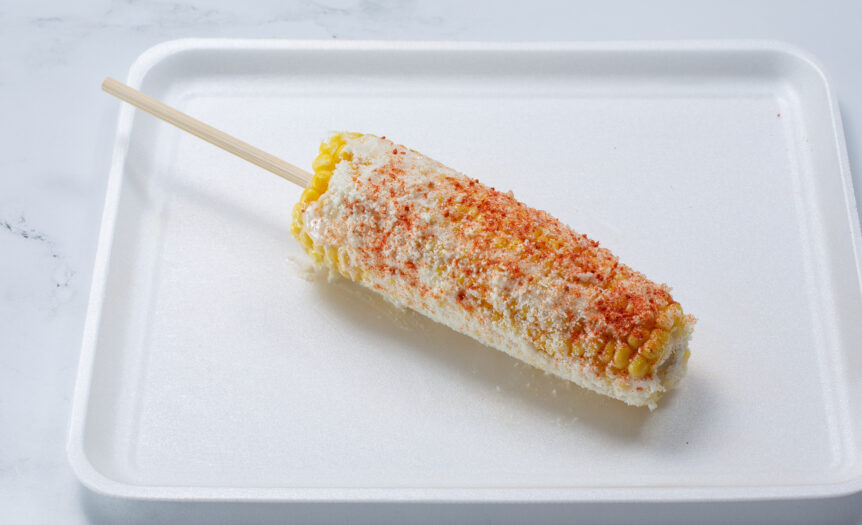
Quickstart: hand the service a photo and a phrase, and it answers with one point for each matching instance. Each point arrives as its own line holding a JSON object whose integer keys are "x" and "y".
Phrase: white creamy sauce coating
{"x": 358, "y": 200}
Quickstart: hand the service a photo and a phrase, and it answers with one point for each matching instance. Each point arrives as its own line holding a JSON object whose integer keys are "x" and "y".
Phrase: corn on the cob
{"x": 479, "y": 261}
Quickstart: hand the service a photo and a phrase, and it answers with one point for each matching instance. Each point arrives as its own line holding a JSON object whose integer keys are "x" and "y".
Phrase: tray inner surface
{"x": 218, "y": 365}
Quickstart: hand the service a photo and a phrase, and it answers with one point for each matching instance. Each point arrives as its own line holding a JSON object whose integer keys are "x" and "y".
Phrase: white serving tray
{"x": 212, "y": 370}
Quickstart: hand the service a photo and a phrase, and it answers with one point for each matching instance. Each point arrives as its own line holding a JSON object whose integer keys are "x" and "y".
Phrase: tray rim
{"x": 101, "y": 483}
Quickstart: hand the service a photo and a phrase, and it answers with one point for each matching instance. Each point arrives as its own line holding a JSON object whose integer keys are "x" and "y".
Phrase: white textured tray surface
{"x": 212, "y": 370}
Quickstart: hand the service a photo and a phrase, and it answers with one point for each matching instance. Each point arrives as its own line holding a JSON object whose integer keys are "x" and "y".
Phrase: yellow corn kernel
{"x": 306, "y": 241}
{"x": 639, "y": 366}
{"x": 576, "y": 349}
{"x": 317, "y": 255}
{"x": 594, "y": 346}
{"x": 296, "y": 224}
{"x": 648, "y": 325}
{"x": 660, "y": 336}
{"x": 664, "y": 319}
{"x": 675, "y": 312}
{"x": 332, "y": 256}
{"x": 650, "y": 351}
{"x": 324, "y": 161}
{"x": 309, "y": 195}
{"x": 607, "y": 353}
{"x": 542, "y": 347}
{"x": 344, "y": 259}
{"x": 655, "y": 344}
{"x": 622, "y": 351}
{"x": 637, "y": 337}
{"x": 320, "y": 181}
{"x": 337, "y": 140}
{"x": 339, "y": 151}
{"x": 296, "y": 212}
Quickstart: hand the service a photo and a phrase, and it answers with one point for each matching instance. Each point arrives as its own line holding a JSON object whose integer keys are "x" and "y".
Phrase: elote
{"x": 481, "y": 262}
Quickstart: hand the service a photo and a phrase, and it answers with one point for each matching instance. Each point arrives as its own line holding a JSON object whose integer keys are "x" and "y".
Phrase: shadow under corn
{"x": 470, "y": 361}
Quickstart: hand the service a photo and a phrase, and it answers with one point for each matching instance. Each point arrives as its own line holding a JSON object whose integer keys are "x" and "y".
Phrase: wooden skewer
{"x": 210, "y": 134}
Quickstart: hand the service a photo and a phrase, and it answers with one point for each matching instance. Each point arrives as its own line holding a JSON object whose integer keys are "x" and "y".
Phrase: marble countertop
{"x": 57, "y": 129}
